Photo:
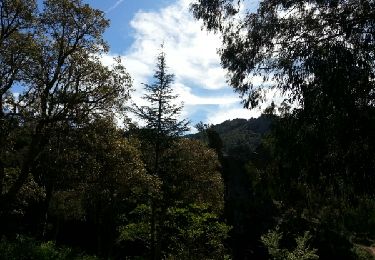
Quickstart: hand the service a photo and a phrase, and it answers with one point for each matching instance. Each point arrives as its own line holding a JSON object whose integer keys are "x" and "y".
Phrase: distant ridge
{"x": 240, "y": 137}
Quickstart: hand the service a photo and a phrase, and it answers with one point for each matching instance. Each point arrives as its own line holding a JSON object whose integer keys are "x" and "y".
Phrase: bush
{"x": 302, "y": 251}
{"x": 25, "y": 248}
{"x": 361, "y": 253}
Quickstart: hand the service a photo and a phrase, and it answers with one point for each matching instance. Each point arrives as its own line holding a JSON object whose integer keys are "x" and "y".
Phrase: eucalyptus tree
{"x": 320, "y": 54}
{"x": 305, "y": 47}
{"x": 16, "y": 18}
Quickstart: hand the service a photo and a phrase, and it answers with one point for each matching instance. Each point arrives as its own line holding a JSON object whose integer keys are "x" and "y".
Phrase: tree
{"x": 320, "y": 55}
{"x": 194, "y": 202}
{"x": 162, "y": 127}
{"x": 110, "y": 182}
{"x": 302, "y": 251}
{"x": 211, "y": 137}
{"x": 65, "y": 84}
{"x": 192, "y": 174}
{"x": 308, "y": 48}
{"x": 161, "y": 116}
{"x": 189, "y": 220}
{"x": 196, "y": 232}
{"x": 16, "y": 18}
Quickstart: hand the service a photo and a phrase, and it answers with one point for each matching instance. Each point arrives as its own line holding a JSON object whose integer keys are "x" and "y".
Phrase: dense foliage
{"x": 318, "y": 164}
{"x": 72, "y": 182}
{"x": 186, "y": 210}
{"x": 295, "y": 183}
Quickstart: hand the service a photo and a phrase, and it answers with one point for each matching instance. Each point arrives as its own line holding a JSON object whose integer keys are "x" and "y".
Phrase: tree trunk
{"x": 153, "y": 230}
{"x": 2, "y": 166}
{"x": 49, "y": 192}
{"x": 35, "y": 148}
{"x": 2, "y": 176}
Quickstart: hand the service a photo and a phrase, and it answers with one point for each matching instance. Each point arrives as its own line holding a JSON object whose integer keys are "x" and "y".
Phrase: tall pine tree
{"x": 161, "y": 115}
{"x": 162, "y": 127}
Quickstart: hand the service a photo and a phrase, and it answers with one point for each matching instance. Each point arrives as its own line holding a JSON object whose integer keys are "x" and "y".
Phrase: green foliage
{"x": 295, "y": 46}
{"x": 302, "y": 251}
{"x": 363, "y": 253}
{"x": 104, "y": 178}
{"x": 239, "y": 138}
{"x": 188, "y": 173}
{"x": 161, "y": 114}
{"x": 63, "y": 86}
{"x": 68, "y": 174}
{"x": 191, "y": 174}
{"x": 320, "y": 55}
{"x": 135, "y": 231}
{"x": 197, "y": 232}
{"x": 25, "y": 248}
{"x": 138, "y": 227}
{"x": 187, "y": 209}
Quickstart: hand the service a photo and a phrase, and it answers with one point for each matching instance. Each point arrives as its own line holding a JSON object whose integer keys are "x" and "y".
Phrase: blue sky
{"x": 137, "y": 29}
{"x": 120, "y": 13}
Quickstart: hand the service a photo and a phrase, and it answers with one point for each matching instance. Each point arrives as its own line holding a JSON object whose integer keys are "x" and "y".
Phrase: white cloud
{"x": 191, "y": 52}
{"x": 189, "y": 98}
{"x": 191, "y": 55}
{"x": 118, "y": 2}
{"x": 231, "y": 112}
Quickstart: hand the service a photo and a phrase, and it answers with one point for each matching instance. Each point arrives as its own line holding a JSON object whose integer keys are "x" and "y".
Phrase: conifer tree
{"x": 161, "y": 115}
{"x": 162, "y": 127}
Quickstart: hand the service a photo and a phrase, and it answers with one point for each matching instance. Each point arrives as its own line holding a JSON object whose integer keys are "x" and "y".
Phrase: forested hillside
{"x": 86, "y": 172}
{"x": 238, "y": 143}
{"x": 240, "y": 137}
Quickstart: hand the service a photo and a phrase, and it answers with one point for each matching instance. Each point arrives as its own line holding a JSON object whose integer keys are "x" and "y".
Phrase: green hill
{"x": 240, "y": 137}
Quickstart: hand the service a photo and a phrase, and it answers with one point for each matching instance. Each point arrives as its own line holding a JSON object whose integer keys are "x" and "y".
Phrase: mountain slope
{"x": 240, "y": 137}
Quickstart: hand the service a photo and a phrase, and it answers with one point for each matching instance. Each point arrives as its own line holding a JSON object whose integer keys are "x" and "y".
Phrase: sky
{"x": 139, "y": 27}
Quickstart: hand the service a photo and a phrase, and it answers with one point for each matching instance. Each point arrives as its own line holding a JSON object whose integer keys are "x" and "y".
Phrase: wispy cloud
{"x": 118, "y": 2}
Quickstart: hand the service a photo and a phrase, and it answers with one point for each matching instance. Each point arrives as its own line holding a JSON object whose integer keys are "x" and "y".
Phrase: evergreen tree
{"x": 161, "y": 115}
{"x": 162, "y": 127}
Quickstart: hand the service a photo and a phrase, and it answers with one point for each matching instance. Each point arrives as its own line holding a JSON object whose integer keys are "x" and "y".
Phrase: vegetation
{"x": 295, "y": 183}
{"x": 317, "y": 164}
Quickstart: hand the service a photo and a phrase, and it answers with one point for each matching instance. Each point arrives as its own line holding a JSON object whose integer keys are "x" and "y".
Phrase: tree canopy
{"x": 320, "y": 55}
{"x": 64, "y": 81}
{"x": 161, "y": 114}
{"x": 295, "y": 183}
{"x": 307, "y": 49}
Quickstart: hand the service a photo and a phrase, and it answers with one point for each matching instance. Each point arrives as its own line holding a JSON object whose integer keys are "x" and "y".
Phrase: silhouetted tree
{"x": 320, "y": 55}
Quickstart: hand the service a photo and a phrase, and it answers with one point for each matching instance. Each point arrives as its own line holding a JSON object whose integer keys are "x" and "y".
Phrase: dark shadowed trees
{"x": 185, "y": 216}
{"x": 64, "y": 83}
{"x": 16, "y": 19}
{"x": 308, "y": 48}
{"x": 320, "y": 54}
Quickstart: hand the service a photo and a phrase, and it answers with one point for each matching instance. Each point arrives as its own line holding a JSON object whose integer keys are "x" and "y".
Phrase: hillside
{"x": 240, "y": 137}
{"x": 240, "y": 140}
